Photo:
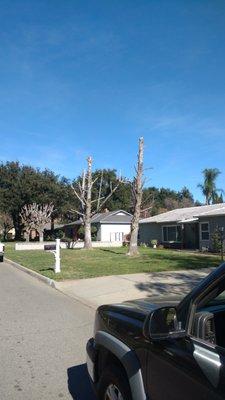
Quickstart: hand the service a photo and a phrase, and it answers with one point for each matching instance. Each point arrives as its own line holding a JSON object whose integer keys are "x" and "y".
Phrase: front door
{"x": 191, "y": 236}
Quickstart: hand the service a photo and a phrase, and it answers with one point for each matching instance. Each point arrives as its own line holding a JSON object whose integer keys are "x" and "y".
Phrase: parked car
{"x": 163, "y": 349}
{"x": 2, "y": 251}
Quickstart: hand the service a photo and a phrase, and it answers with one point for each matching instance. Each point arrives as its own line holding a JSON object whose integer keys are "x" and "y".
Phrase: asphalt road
{"x": 43, "y": 334}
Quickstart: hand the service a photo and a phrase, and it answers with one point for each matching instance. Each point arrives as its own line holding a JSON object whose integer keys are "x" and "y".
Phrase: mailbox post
{"x": 55, "y": 249}
{"x": 57, "y": 257}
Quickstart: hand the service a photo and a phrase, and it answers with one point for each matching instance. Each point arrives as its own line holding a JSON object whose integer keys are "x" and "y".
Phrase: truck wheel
{"x": 113, "y": 385}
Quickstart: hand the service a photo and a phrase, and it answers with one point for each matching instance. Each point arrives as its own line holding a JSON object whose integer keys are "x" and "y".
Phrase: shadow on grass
{"x": 47, "y": 269}
{"x": 113, "y": 251}
{"x": 79, "y": 383}
{"x": 183, "y": 261}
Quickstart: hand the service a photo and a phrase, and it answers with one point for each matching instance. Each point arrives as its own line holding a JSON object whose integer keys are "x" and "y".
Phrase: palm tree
{"x": 208, "y": 188}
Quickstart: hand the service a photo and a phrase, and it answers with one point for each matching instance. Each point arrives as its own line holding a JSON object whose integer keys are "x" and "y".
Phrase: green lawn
{"x": 77, "y": 264}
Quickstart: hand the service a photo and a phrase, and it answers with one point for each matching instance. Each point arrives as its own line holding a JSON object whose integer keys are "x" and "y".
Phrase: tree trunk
{"x": 137, "y": 191}
{"x": 17, "y": 226}
{"x": 52, "y": 223}
{"x": 27, "y": 236}
{"x": 87, "y": 236}
{"x": 41, "y": 235}
{"x": 5, "y": 233}
{"x": 87, "y": 218}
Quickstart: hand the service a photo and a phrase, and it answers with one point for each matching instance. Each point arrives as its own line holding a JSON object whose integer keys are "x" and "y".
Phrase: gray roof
{"x": 182, "y": 214}
{"x": 119, "y": 216}
{"x": 110, "y": 217}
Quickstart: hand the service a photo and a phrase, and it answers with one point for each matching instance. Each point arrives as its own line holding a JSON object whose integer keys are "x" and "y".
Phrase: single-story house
{"x": 185, "y": 228}
{"x": 111, "y": 226}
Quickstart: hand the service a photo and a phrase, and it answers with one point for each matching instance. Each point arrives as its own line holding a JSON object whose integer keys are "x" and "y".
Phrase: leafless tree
{"x": 88, "y": 206}
{"x": 6, "y": 223}
{"x": 137, "y": 191}
{"x": 36, "y": 216}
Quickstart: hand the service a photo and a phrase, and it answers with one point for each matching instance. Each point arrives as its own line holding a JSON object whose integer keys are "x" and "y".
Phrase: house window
{"x": 204, "y": 231}
{"x": 172, "y": 233}
{"x": 116, "y": 236}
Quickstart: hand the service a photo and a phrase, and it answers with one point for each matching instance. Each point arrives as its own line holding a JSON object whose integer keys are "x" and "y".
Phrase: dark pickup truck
{"x": 163, "y": 348}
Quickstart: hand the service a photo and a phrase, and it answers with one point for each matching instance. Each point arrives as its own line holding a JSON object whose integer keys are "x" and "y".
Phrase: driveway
{"x": 43, "y": 338}
{"x": 117, "y": 288}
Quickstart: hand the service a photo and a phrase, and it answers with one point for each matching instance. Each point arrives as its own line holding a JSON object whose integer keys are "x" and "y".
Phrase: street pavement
{"x": 43, "y": 336}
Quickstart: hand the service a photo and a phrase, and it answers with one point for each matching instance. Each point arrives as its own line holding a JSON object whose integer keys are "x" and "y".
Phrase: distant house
{"x": 187, "y": 228}
{"x": 112, "y": 226}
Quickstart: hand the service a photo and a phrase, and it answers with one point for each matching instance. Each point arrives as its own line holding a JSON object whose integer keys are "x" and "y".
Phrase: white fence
{"x": 63, "y": 245}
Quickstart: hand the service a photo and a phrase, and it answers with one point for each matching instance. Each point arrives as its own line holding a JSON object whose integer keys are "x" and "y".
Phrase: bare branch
{"x": 150, "y": 197}
{"x": 93, "y": 201}
{"x": 147, "y": 168}
{"x": 77, "y": 212}
{"x": 93, "y": 182}
{"x": 108, "y": 197}
{"x": 80, "y": 198}
{"x": 146, "y": 209}
{"x": 100, "y": 191}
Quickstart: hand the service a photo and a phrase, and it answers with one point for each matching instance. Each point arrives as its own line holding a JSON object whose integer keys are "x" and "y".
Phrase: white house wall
{"x": 108, "y": 231}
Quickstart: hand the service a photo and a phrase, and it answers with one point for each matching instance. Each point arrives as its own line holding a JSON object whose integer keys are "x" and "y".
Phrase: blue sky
{"x": 90, "y": 77}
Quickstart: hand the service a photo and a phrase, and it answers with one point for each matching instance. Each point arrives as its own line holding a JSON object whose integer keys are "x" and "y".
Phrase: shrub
{"x": 143, "y": 245}
{"x": 52, "y": 235}
{"x": 70, "y": 243}
{"x": 93, "y": 233}
{"x": 154, "y": 242}
{"x": 216, "y": 241}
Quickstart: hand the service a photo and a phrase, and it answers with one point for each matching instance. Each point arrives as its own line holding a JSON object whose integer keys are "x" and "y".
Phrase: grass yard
{"x": 77, "y": 264}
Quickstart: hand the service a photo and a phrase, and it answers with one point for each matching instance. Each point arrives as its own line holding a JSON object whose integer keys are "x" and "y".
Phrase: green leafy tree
{"x": 121, "y": 198}
{"x": 6, "y": 223}
{"x": 21, "y": 184}
{"x": 208, "y": 187}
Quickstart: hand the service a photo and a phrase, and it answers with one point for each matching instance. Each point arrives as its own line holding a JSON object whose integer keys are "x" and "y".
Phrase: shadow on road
{"x": 79, "y": 384}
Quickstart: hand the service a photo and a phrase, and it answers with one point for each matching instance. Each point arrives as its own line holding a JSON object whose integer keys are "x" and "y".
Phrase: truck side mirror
{"x": 162, "y": 324}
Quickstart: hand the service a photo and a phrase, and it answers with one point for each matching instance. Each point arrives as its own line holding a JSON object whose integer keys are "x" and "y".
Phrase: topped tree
{"x": 83, "y": 190}
{"x": 36, "y": 216}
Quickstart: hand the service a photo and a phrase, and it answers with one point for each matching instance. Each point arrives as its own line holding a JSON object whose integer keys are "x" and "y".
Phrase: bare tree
{"x": 36, "y": 216}
{"x": 88, "y": 206}
{"x": 137, "y": 190}
{"x": 6, "y": 223}
{"x": 27, "y": 220}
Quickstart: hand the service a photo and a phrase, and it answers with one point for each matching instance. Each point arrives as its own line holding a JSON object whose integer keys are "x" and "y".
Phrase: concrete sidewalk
{"x": 117, "y": 288}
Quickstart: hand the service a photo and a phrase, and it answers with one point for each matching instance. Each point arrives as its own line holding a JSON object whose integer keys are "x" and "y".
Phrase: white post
{"x": 57, "y": 256}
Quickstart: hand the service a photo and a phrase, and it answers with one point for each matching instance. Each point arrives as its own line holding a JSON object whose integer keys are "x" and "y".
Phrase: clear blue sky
{"x": 90, "y": 77}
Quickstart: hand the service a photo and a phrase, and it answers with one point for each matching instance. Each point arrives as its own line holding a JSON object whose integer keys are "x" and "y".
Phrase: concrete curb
{"x": 45, "y": 279}
{"x": 50, "y": 282}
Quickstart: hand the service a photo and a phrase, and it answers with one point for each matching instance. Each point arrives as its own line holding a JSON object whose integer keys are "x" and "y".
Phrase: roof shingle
{"x": 181, "y": 214}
